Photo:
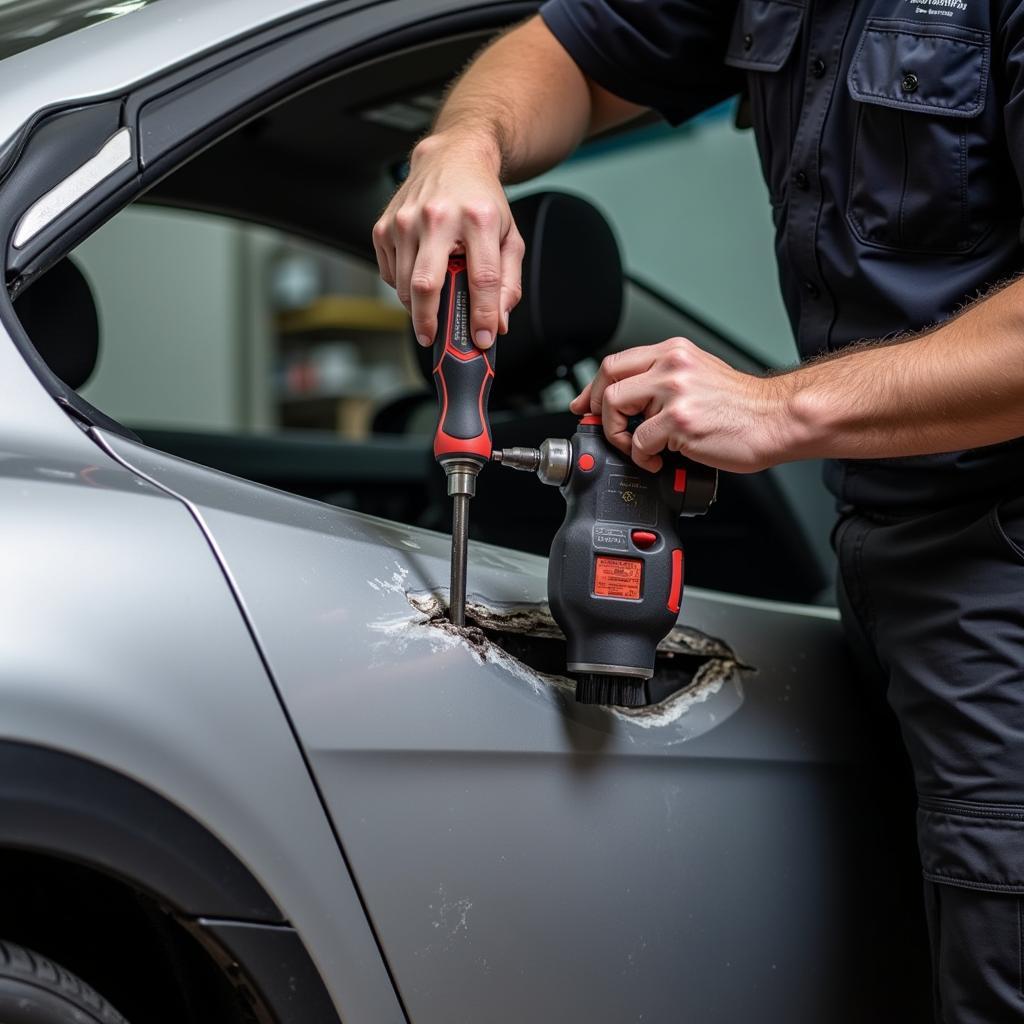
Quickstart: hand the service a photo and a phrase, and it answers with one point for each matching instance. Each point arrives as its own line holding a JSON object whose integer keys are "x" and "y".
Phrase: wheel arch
{"x": 68, "y": 809}
{"x": 66, "y": 806}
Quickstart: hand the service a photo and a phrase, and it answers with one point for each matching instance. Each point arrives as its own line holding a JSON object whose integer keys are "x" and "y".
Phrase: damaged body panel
{"x": 526, "y": 640}
{"x": 525, "y": 857}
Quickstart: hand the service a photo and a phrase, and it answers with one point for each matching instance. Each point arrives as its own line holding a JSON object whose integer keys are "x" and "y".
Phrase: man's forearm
{"x": 504, "y": 104}
{"x": 521, "y": 107}
{"x": 524, "y": 105}
{"x": 959, "y": 386}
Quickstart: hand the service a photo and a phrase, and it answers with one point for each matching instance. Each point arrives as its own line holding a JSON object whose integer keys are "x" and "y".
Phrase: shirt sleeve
{"x": 664, "y": 54}
{"x": 1010, "y": 59}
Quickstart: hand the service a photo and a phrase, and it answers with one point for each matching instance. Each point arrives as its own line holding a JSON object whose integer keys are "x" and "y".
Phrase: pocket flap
{"x": 972, "y": 845}
{"x": 763, "y": 34}
{"x": 931, "y": 69}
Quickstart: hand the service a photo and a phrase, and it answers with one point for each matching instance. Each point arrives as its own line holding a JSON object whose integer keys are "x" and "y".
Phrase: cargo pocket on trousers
{"x": 761, "y": 43}
{"x": 972, "y": 855}
{"x": 972, "y": 845}
{"x": 920, "y": 92}
{"x": 977, "y": 947}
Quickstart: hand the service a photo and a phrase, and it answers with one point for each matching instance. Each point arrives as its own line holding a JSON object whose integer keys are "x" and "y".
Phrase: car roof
{"x": 25, "y": 24}
{"x": 114, "y": 47}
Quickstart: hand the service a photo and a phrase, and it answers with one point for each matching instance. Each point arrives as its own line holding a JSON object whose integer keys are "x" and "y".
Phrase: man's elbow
{"x": 608, "y": 110}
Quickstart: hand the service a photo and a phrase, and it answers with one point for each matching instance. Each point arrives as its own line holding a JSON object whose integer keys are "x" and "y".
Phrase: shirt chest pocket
{"x": 762, "y": 42}
{"x": 919, "y": 168}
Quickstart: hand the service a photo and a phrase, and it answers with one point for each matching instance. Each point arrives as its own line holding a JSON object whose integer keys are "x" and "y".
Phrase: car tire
{"x": 34, "y": 990}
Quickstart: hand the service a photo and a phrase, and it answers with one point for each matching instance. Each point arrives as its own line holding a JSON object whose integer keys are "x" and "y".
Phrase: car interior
{"x": 346, "y": 141}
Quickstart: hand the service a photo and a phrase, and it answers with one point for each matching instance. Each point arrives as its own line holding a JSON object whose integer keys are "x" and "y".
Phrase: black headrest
{"x": 572, "y": 294}
{"x": 58, "y": 313}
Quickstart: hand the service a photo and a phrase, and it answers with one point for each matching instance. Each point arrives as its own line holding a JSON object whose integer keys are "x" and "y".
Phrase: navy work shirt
{"x": 891, "y": 135}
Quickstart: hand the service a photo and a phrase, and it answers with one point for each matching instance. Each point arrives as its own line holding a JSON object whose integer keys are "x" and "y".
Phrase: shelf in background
{"x": 343, "y": 313}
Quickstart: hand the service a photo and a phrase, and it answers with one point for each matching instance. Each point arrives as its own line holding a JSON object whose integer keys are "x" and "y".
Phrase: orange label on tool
{"x": 618, "y": 577}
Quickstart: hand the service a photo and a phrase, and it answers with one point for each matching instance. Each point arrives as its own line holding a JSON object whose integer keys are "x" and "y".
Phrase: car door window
{"x": 210, "y": 324}
{"x": 250, "y": 351}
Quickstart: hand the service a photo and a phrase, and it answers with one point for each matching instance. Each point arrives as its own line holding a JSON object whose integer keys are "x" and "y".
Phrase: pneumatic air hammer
{"x": 615, "y": 574}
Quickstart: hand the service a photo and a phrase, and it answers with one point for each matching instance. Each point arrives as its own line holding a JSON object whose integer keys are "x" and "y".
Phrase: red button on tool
{"x": 590, "y": 420}
{"x": 644, "y": 539}
{"x": 679, "y": 482}
{"x": 586, "y": 463}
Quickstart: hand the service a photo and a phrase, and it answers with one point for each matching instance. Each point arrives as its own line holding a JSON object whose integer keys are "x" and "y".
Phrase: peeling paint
{"x": 490, "y": 623}
{"x": 394, "y": 585}
{"x": 707, "y": 681}
{"x": 430, "y": 624}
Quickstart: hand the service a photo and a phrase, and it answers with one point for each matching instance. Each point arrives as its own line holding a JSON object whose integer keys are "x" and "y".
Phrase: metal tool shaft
{"x": 551, "y": 461}
{"x": 460, "y": 541}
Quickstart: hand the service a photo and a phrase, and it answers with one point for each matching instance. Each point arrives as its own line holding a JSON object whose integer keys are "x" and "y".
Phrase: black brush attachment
{"x": 614, "y": 691}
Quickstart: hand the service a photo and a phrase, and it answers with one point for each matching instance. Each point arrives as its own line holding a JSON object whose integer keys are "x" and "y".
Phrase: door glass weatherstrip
{"x": 116, "y": 152}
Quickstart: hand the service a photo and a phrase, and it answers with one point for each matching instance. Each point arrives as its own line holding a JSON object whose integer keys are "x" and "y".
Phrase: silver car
{"x": 247, "y": 770}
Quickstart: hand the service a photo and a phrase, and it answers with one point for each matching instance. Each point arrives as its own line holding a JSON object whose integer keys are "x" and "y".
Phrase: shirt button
{"x": 817, "y": 67}
{"x": 909, "y": 83}
{"x": 812, "y": 289}
{"x": 748, "y": 41}
{"x": 801, "y": 181}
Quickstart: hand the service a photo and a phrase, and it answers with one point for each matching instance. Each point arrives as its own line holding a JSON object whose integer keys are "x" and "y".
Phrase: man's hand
{"x": 692, "y": 402}
{"x": 520, "y": 108}
{"x": 452, "y": 200}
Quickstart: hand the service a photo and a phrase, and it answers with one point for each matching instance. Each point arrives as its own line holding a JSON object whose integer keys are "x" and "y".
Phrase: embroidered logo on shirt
{"x": 941, "y": 8}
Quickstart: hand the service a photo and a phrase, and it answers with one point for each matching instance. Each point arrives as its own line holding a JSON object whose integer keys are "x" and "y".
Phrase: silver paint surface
{"x": 125, "y": 51}
{"x": 24, "y": 25}
{"x": 107, "y": 58}
{"x": 525, "y": 857}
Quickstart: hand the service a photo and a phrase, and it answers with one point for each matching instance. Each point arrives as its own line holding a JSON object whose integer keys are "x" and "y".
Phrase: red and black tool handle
{"x": 462, "y": 374}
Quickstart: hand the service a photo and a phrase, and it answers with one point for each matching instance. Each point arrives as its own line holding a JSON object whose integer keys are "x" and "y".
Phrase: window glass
{"x": 210, "y": 324}
{"x": 692, "y": 214}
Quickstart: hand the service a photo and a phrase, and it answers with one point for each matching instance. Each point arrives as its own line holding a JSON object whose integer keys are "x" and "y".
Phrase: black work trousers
{"x": 933, "y": 606}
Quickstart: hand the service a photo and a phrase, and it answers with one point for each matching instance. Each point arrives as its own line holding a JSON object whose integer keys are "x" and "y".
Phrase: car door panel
{"x": 525, "y": 857}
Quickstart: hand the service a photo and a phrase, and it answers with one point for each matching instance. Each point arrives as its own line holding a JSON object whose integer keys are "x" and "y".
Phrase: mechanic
{"x": 891, "y": 134}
